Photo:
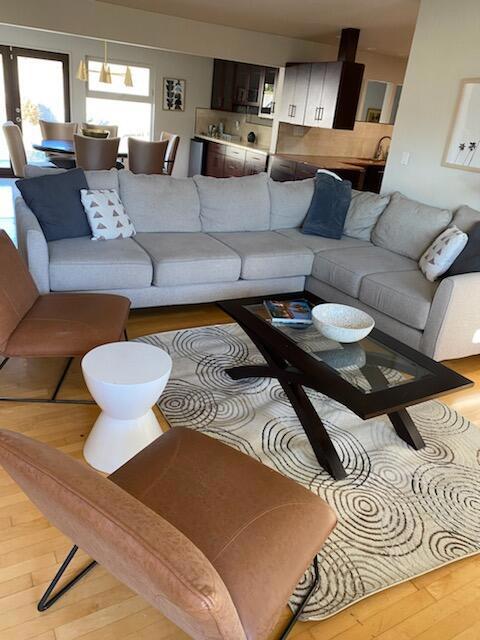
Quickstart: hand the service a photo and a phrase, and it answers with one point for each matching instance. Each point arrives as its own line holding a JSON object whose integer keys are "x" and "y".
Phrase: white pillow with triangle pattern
{"x": 443, "y": 252}
{"x": 106, "y": 214}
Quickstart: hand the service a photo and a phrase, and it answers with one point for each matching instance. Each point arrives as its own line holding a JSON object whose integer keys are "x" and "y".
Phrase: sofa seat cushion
{"x": 267, "y": 254}
{"x": 160, "y": 203}
{"x": 403, "y": 295}
{"x": 234, "y": 204}
{"x": 345, "y": 270}
{"x": 318, "y": 243}
{"x": 189, "y": 258}
{"x": 79, "y": 264}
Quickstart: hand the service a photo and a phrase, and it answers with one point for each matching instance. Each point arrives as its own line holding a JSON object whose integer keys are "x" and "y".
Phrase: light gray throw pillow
{"x": 158, "y": 203}
{"x": 289, "y": 202}
{"x": 234, "y": 204}
{"x": 363, "y": 213}
{"x": 408, "y": 227}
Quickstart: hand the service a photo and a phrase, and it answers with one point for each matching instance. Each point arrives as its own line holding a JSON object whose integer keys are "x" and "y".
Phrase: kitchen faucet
{"x": 380, "y": 152}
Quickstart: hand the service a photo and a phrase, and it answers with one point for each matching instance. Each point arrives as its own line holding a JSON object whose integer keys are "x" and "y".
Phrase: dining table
{"x": 63, "y": 146}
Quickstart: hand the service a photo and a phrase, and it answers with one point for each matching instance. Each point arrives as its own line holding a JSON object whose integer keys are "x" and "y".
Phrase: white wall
{"x": 446, "y": 48}
{"x": 197, "y": 72}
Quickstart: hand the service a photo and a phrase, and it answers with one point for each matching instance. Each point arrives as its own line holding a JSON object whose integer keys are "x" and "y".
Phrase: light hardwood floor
{"x": 442, "y": 605}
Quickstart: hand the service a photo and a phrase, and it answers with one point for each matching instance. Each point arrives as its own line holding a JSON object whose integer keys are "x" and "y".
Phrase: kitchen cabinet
{"x": 225, "y": 161}
{"x": 268, "y": 88}
{"x": 215, "y": 160}
{"x": 327, "y": 91}
{"x": 223, "y": 85}
{"x": 295, "y": 92}
{"x": 247, "y": 85}
{"x": 282, "y": 169}
{"x": 234, "y": 162}
{"x": 254, "y": 163}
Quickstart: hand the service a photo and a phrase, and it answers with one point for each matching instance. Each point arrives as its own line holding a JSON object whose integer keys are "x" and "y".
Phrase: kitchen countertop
{"x": 333, "y": 162}
{"x": 249, "y": 146}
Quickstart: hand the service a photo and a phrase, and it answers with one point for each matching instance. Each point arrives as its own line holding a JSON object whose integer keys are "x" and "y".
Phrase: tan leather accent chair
{"x": 207, "y": 535}
{"x": 146, "y": 157}
{"x": 95, "y": 154}
{"x": 173, "y": 141}
{"x": 52, "y": 325}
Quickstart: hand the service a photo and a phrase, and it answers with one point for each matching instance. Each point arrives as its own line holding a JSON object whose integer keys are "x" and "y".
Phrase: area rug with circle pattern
{"x": 400, "y": 512}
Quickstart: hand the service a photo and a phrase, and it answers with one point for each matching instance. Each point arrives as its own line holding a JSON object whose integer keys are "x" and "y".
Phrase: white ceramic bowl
{"x": 342, "y": 323}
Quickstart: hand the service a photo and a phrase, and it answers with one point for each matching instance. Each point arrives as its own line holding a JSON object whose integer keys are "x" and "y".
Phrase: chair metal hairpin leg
{"x": 53, "y": 398}
{"x": 304, "y": 602}
{"x": 46, "y": 602}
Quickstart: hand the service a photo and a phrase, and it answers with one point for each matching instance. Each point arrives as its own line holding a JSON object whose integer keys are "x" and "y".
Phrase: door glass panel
{"x": 41, "y": 88}
{"x": 4, "y": 155}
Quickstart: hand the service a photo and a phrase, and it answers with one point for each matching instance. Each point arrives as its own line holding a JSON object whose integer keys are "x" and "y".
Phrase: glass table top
{"x": 368, "y": 365}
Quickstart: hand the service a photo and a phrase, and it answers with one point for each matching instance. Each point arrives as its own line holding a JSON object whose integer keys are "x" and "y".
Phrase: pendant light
{"x": 128, "y": 80}
{"x": 105, "y": 75}
{"x": 82, "y": 71}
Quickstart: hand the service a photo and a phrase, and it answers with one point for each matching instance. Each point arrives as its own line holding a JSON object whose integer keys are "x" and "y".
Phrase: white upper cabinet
{"x": 295, "y": 91}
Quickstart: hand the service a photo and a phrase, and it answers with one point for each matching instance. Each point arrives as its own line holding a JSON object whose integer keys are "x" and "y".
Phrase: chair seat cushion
{"x": 242, "y": 515}
{"x": 319, "y": 243}
{"x": 83, "y": 265}
{"x": 404, "y": 295}
{"x": 345, "y": 270}
{"x": 69, "y": 324}
{"x": 189, "y": 258}
{"x": 267, "y": 254}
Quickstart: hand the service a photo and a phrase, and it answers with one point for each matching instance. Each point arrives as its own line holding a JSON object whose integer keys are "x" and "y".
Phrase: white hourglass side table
{"x": 125, "y": 380}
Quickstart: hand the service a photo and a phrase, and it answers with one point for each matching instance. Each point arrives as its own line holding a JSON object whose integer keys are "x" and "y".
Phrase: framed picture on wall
{"x": 462, "y": 150}
{"x": 373, "y": 115}
{"x": 173, "y": 94}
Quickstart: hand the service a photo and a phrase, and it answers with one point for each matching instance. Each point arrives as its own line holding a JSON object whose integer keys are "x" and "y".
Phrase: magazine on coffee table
{"x": 289, "y": 311}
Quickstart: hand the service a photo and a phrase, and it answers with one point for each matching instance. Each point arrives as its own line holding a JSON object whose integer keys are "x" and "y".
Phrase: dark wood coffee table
{"x": 375, "y": 376}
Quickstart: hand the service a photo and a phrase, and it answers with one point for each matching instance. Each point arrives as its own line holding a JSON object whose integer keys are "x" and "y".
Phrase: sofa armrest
{"x": 32, "y": 245}
{"x": 453, "y": 325}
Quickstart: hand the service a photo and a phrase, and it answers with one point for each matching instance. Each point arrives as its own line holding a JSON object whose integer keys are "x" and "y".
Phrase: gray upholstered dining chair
{"x": 93, "y": 154}
{"x": 145, "y": 156}
{"x": 173, "y": 141}
{"x": 16, "y": 148}
{"x": 209, "y": 536}
{"x": 58, "y": 130}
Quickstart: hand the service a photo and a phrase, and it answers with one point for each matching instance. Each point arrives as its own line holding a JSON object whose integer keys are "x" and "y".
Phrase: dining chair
{"x": 16, "y": 148}
{"x": 94, "y": 154}
{"x": 58, "y": 130}
{"x": 173, "y": 141}
{"x": 54, "y": 325}
{"x": 211, "y": 537}
{"x": 146, "y": 157}
{"x": 111, "y": 128}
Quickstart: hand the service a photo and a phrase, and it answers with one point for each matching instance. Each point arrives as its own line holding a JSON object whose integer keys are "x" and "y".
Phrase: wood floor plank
{"x": 441, "y": 605}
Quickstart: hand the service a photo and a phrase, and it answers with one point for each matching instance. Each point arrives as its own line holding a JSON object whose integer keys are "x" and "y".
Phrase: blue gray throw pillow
{"x": 328, "y": 209}
{"x": 55, "y": 201}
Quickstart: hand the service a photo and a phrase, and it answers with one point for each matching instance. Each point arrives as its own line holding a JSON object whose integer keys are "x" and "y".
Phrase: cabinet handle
{"x": 294, "y": 110}
{"x": 272, "y": 110}
{"x": 317, "y": 113}
{"x": 320, "y": 113}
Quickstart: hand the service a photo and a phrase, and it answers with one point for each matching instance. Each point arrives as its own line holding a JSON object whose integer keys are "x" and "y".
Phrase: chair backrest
{"x": 131, "y": 541}
{"x": 111, "y": 128}
{"x": 173, "y": 141}
{"x": 145, "y": 156}
{"x": 58, "y": 130}
{"x": 94, "y": 154}
{"x": 18, "y": 291}
{"x": 16, "y": 148}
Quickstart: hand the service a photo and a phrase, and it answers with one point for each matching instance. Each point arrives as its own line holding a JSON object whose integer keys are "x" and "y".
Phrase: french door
{"x": 34, "y": 85}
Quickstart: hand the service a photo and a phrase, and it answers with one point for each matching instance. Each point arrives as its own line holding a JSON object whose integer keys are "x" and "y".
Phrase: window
{"x": 130, "y": 108}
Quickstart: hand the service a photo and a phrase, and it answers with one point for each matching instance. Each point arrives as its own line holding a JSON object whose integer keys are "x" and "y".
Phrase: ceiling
{"x": 386, "y": 25}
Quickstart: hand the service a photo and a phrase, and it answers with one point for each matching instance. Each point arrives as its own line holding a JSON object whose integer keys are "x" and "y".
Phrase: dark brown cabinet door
{"x": 223, "y": 85}
{"x": 282, "y": 170}
{"x": 215, "y": 160}
{"x": 234, "y": 167}
{"x": 254, "y": 163}
{"x": 303, "y": 171}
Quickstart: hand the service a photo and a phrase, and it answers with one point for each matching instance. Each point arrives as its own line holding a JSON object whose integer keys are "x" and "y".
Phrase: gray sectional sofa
{"x": 205, "y": 239}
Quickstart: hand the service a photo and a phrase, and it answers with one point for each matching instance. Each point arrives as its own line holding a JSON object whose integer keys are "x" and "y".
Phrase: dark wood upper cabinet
{"x": 322, "y": 94}
{"x": 242, "y": 88}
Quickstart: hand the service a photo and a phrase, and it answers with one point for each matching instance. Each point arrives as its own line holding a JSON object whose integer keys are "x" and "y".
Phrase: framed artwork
{"x": 173, "y": 94}
{"x": 373, "y": 115}
{"x": 462, "y": 150}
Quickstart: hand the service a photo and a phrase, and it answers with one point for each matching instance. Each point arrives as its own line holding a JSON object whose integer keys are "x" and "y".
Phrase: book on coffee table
{"x": 289, "y": 311}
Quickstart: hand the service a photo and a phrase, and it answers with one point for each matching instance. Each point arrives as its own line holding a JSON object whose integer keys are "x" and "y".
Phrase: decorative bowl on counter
{"x": 342, "y": 323}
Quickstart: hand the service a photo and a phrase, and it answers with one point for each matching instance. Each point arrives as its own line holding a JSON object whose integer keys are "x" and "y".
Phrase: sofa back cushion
{"x": 158, "y": 203}
{"x": 107, "y": 179}
{"x": 289, "y": 202}
{"x": 408, "y": 227}
{"x": 466, "y": 218}
{"x": 363, "y": 213}
{"x": 234, "y": 204}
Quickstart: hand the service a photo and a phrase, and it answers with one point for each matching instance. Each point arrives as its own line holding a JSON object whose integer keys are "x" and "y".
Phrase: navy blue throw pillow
{"x": 469, "y": 259}
{"x": 328, "y": 209}
{"x": 55, "y": 201}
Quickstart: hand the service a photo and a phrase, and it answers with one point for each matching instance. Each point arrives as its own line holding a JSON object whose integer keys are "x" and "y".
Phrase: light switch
{"x": 405, "y": 159}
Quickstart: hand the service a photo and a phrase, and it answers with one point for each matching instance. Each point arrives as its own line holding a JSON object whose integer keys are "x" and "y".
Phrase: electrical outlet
{"x": 405, "y": 159}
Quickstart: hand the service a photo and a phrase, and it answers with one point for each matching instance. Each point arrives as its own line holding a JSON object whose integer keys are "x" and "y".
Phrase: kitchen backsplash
{"x": 361, "y": 142}
{"x": 206, "y": 117}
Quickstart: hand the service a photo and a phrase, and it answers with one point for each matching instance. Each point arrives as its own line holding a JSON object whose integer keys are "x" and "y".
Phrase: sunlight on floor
{"x": 8, "y": 193}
